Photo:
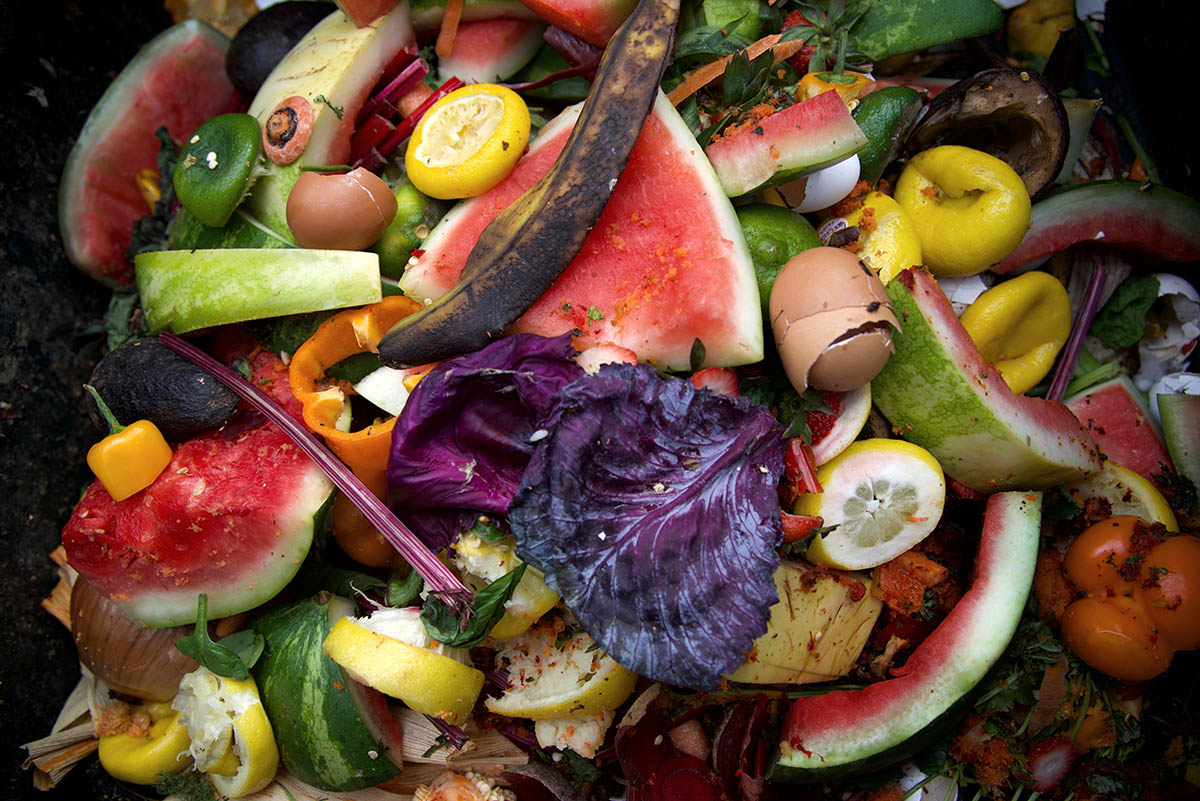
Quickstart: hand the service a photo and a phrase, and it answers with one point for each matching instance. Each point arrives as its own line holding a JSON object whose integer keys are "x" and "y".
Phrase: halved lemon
{"x": 231, "y": 737}
{"x": 423, "y": 679}
{"x": 554, "y": 675}
{"x": 1128, "y": 492}
{"x": 881, "y": 496}
{"x": 891, "y": 245}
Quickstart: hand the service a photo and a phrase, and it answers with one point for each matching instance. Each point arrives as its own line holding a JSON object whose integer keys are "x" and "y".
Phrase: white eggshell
{"x": 828, "y": 186}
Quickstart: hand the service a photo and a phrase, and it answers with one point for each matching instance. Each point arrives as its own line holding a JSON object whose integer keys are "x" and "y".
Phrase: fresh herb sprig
{"x": 231, "y": 656}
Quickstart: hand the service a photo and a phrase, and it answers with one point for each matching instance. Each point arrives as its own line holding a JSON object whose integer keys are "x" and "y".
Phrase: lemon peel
{"x": 1128, "y": 493}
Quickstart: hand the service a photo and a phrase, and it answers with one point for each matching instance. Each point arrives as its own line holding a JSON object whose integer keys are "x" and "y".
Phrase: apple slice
{"x": 938, "y": 392}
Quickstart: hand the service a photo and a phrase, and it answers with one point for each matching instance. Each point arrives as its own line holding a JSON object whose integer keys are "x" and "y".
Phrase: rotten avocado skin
{"x": 521, "y": 253}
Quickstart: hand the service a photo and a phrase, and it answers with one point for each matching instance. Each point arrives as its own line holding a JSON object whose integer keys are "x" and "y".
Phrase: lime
{"x": 429, "y": 682}
{"x": 885, "y": 116}
{"x": 559, "y": 673}
{"x": 773, "y": 235}
{"x": 881, "y": 497}
{"x": 1128, "y": 493}
{"x": 416, "y": 214}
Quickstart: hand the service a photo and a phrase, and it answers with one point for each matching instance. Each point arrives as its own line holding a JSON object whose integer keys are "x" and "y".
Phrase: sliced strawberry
{"x": 720, "y": 380}
{"x": 590, "y": 359}
{"x": 821, "y": 423}
{"x": 797, "y": 527}
{"x": 1050, "y": 761}
{"x": 799, "y": 469}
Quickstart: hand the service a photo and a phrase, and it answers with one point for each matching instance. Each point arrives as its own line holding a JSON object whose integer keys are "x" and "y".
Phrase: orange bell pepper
{"x": 324, "y": 400}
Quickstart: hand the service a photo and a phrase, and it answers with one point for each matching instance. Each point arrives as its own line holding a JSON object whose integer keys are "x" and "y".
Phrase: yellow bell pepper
{"x": 970, "y": 208}
{"x": 139, "y": 760}
{"x": 888, "y": 241}
{"x": 1034, "y": 26}
{"x": 130, "y": 457}
{"x": 1020, "y": 325}
{"x": 815, "y": 83}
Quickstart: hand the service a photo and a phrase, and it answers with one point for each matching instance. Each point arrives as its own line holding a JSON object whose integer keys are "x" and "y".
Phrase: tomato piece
{"x": 1098, "y": 561}
{"x": 1115, "y": 635}
{"x": 468, "y": 141}
{"x": 1170, "y": 591}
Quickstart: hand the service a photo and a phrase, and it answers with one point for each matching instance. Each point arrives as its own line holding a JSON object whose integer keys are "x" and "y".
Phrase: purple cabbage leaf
{"x": 465, "y": 434}
{"x": 651, "y": 508}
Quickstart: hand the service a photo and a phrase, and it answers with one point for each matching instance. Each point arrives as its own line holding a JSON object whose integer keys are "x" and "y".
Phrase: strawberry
{"x": 799, "y": 61}
{"x": 821, "y": 423}
{"x": 719, "y": 380}
{"x": 1050, "y": 761}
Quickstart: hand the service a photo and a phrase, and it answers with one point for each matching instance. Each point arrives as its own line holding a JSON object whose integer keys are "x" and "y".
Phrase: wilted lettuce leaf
{"x": 651, "y": 507}
{"x": 465, "y": 434}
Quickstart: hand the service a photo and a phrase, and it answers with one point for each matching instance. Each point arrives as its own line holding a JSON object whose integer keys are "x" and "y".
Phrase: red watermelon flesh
{"x": 491, "y": 50}
{"x": 1125, "y": 214}
{"x": 835, "y": 728}
{"x": 177, "y": 80}
{"x": 1113, "y": 413}
{"x": 363, "y": 12}
{"x": 593, "y": 21}
{"x": 666, "y": 263}
{"x": 230, "y": 516}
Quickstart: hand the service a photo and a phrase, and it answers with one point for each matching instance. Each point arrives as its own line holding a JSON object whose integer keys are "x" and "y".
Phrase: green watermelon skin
{"x": 1181, "y": 429}
{"x": 230, "y": 516}
{"x": 665, "y": 264}
{"x": 427, "y": 14}
{"x": 321, "y": 736}
{"x": 177, "y": 80}
{"x": 790, "y": 143}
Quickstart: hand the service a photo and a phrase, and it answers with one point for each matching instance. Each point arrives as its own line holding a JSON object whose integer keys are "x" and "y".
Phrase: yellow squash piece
{"x": 1020, "y": 325}
{"x": 139, "y": 760}
{"x": 817, "y": 629}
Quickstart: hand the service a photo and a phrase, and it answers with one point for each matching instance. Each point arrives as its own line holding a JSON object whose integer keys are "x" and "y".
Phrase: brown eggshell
{"x": 340, "y": 211}
{"x": 827, "y": 307}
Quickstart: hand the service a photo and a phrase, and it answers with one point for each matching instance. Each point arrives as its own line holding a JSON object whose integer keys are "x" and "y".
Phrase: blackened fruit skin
{"x": 266, "y": 38}
{"x": 143, "y": 380}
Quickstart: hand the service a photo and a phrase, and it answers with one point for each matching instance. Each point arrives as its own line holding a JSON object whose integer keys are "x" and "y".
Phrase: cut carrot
{"x": 702, "y": 76}
{"x": 449, "y": 29}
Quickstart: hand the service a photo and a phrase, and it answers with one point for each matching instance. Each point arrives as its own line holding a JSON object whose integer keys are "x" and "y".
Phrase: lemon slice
{"x": 881, "y": 496}
{"x": 231, "y": 737}
{"x": 484, "y": 562}
{"x": 1128, "y": 492}
{"x": 559, "y": 673}
{"x": 426, "y": 681}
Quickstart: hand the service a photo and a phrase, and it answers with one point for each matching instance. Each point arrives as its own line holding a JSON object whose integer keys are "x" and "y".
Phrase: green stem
{"x": 113, "y": 426}
{"x": 1135, "y": 145}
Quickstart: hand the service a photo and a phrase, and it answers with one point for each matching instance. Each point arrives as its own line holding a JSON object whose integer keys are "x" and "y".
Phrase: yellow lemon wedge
{"x": 139, "y": 760}
{"x": 1128, "y": 492}
{"x": 231, "y": 737}
{"x": 559, "y": 672}
{"x": 429, "y": 682}
{"x": 891, "y": 244}
{"x": 881, "y": 497}
{"x": 484, "y": 562}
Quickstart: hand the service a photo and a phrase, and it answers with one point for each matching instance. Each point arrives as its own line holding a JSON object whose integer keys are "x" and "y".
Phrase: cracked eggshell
{"x": 832, "y": 320}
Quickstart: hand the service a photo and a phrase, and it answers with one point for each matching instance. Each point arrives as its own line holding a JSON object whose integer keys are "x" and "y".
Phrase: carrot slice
{"x": 449, "y": 29}
{"x": 702, "y": 76}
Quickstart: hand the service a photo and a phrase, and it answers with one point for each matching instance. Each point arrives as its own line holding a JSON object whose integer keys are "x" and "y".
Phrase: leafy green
{"x": 745, "y": 80}
{"x": 190, "y": 785}
{"x": 286, "y": 334}
{"x": 123, "y": 319}
{"x": 355, "y": 368}
{"x": 1058, "y": 505}
{"x": 486, "y": 610}
{"x": 231, "y": 656}
{"x": 1121, "y": 322}
{"x": 707, "y": 43}
{"x": 487, "y": 530}
{"x": 404, "y": 590}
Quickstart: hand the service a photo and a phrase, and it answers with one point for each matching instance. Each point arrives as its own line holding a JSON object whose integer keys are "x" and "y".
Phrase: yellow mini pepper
{"x": 130, "y": 457}
{"x": 324, "y": 402}
{"x": 849, "y": 88}
{"x": 139, "y": 759}
{"x": 1020, "y": 325}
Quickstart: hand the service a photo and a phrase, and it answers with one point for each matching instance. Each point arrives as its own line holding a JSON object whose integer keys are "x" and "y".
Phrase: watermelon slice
{"x": 846, "y": 731}
{"x": 1126, "y": 214}
{"x": 666, "y": 263}
{"x": 1114, "y": 414}
{"x": 940, "y": 393}
{"x": 363, "y": 12}
{"x": 427, "y": 14}
{"x": 230, "y": 516}
{"x": 177, "y": 80}
{"x": 790, "y": 143}
{"x": 593, "y": 21}
{"x": 491, "y": 50}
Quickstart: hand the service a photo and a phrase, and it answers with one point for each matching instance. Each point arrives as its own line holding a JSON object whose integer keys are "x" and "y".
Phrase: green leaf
{"x": 1121, "y": 322}
{"x": 707, "y": 43}
{"x": 218, "y": 658}
{"x": 696, "y": 359}
{"x": 793, "y": 409}
{"x": 355, "y": 368}
{"x": 892, "y": 27}
{"x": 404, "y": 590}
{"x": 1059, "y": 505}
{"x": 247, "y": 644}
{"x": 122, "y": 321}
{"x": 487, "y": 530}
{"x": 486, "y": 610}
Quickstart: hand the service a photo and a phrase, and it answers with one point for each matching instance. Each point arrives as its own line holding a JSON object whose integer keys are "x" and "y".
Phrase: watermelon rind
{"x": 830, "y": 735}
{"x": 320, "y": 733}
{"x": 427, "y": 14}
{"x": 938, "y": 392}
{"x": 334, "y": 67}
{"x": 791, "y": 143}
{"x": 1126, "y": 214}
{"x": 1181, "y": 429}
{"x": 177, "y": 80}
{"x": 186, "y": 290}
{"x": 185, "y": 232}
{"x": 486, "y": 51}
{"x": 663, "y": 266}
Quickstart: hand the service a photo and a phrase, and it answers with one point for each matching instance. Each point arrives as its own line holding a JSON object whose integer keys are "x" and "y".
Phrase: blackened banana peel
{"x": 521, "y": 253}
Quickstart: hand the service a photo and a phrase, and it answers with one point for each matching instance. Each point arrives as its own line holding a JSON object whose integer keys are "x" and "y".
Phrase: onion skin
{"x": 131, "y": 660}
